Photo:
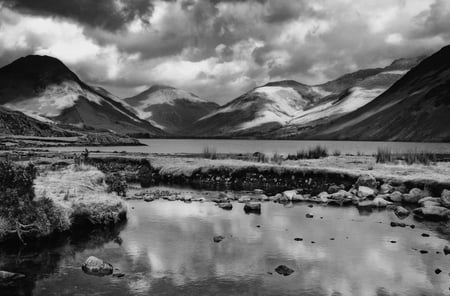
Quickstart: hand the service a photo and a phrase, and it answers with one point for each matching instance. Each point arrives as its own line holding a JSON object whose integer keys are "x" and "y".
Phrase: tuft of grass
{"x": 209, "y": 152}
{"x": 336, "y": 153}
{"x": 311, "y": 153}
{"x": 384, "y": 155}
{"x": 277, "y": 158}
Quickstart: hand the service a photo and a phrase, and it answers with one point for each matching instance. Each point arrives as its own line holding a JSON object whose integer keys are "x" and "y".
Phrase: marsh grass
{"x": 385, "y": 155}
{"x": 315, "y": 152}
{"x": 209, "y": 152}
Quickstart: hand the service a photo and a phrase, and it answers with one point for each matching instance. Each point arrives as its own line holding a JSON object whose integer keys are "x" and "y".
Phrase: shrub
{"x": 117, "y": 183}
{"x": 145, "y": 173}
{"x": 384, "y": 155}
{"x": 336, "y": 153}
{"x": 277, "y": 158}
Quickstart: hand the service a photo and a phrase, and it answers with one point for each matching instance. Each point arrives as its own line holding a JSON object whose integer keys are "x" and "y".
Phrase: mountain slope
{"x": 170, "y": 109}
{"x": 415, "y": 108}
{"x": 283, "y": 108}
{"x": 44, "y": 88}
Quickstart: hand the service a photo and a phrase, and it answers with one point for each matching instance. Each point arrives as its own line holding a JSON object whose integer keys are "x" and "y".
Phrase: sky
{"x": 219, "y": 49}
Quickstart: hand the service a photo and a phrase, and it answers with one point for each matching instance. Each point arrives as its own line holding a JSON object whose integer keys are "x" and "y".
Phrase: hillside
{"x": 44, "y": 88}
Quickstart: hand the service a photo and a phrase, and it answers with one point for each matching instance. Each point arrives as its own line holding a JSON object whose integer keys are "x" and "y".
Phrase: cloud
{"x": 219, "y": 49}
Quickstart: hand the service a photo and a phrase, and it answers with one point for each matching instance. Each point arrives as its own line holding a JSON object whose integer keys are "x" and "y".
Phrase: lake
{"x": 167, "y": 248}
{"x": 171, "y": 146}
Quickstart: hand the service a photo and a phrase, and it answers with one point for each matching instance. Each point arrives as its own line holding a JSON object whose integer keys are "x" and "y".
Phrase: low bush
{"x": 385, "y": 155}
{"x": 311, "y": 153}
{"x": 117, "y": 183}
{"x": 209, "y": 152}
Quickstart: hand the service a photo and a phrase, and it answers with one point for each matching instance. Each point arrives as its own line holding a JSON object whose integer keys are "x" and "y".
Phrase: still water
{"x": 167, "y": 248}
{"x": 266, "y": 146}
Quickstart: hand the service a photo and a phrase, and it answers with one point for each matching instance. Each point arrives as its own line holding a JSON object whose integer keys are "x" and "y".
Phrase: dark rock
{"x": 298, "y": 239}
{"x": 309, "y": 215}
{"x": 332, "y": 238}
{"x": 397, "y": 224}
{"x": 284, "y": 270}
{"x": 446, "y": 250}
{"x": 437, "y": 271}
{"x": 252, "y": 207}
{"x": 118, "y": 274}
{"x": 432, "y": 213}
{"x": 393, "y": 241}
{"x": 96, "y": 266}
{"x": 401, "y": 212}
{"x": 423, "y": 252}
{"x": 367, "y": 180}
{"x": 310, "y": 206}
{"x": 225, "y": 205}
{"x": 425, "y": 235}
{"x": 218, "y": 238}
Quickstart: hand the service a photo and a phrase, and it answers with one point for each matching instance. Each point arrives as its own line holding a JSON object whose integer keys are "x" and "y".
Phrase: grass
{"x": 209, "y": 152}
{"x": 385, "y": 155}
{"x": 315, "y": 152}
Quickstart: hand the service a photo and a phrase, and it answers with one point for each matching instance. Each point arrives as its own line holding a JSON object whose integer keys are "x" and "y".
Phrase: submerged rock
{"x": 96, "y": 266}
{"x": 309, "y": 215}
{"x": 225, "y": 205}
{"x": 446, "y": 250}
{"x": 284, "y": 270}
{"x": 252, "y": 207}
{"x": 398, "y": 224}
{"x": 218, "y": 238}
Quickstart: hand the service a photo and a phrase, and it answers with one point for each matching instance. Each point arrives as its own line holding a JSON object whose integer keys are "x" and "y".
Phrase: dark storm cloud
{"x": 107, "y": 14}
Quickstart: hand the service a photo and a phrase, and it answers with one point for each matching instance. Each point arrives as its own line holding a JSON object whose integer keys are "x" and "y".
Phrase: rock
{"x": 367, "y": 180}
{"x": 323, "y": 197}
{"x": 429, "y": 201}
{"x": 252, "y": 207}
{"x": 297, "y": 198}
{"x": 386, "y": 189}
{"x": 414, "y": 195}
{"x": 396, "y": 196}
{"x": 381, "y": 202}
{"x": 6, "y": 276}
{"x": 445, "y": 198}
{"x": 96, "y": 266}
{"x": 148, "y": 198}
{"x": 425, "y": 235}
{"x": 118, "y": 274}
{"x": 333, "y": 189}
{"x": 366, "y": 204}
{"x": 397, "y": 224}
{"x": 364, "y": 192}
{"x": 225, "y": 205}
{"x": 186, "y": 197}
{"x": 289, "y": 194}
{"x": 446, "y": 250}
{"x": 284, "y": 270}
{"x": 437, "y": 271}
{"x": 423, "y": 252}
{"x": 244, "y": 199}
{"x": 218, "y": 238}
{"x": 200, "y": 199}
{"x": 401, "y": 212}
{"x": 258, "y": 191}
{"x": 432, "y": 213}
{"x": 299, "y": 239}
{"x": 309, "y": 215}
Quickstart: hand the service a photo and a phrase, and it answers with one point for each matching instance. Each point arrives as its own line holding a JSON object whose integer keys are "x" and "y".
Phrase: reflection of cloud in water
{"x": 175, "y": 241}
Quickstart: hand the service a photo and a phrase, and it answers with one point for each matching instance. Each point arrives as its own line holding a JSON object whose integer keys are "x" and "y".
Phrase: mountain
{"x": 415, "y": 108}
{"x": 283, "y": 108}
{"x": 44, "y": 88}
{"x": 171, "y": 109}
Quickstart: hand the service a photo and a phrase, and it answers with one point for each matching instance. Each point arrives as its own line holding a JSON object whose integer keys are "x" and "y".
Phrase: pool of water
{"x": 167, "y": 248}
{"x": 265, "y": 146}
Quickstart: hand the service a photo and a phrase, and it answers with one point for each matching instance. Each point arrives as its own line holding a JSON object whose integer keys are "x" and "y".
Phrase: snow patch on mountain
{"x": 168, "y": 96}
{"x": 358, "y": 97}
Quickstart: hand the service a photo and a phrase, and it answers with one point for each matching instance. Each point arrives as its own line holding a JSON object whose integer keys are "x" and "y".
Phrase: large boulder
{"x": 432, "y": 213}
{"x": 289, "y": 194}
{"x": 367, "y": 180}
{"x": 380, "y": 202}
{"x": 244, "y": 199}
{"x": 298, "y": 197}
{"x": 252, "y": 207}
{"x": 396, "y": 196}
{"x": 429, "y": 201}
{"x": 225, "y": 205}
{"x": 445, "y": 198}
{"x": 96, "y": 266}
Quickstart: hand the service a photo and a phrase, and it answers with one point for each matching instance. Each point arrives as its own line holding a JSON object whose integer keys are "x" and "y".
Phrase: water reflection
{"x": 167, "y": 249}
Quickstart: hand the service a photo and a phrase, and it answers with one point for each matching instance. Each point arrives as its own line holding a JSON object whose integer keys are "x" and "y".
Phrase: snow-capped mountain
{"x": 415, "y": 108}
{"x": 280, "y": 109}
{"x": 44, "y": 88}
{"x": 170, "y": 109}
